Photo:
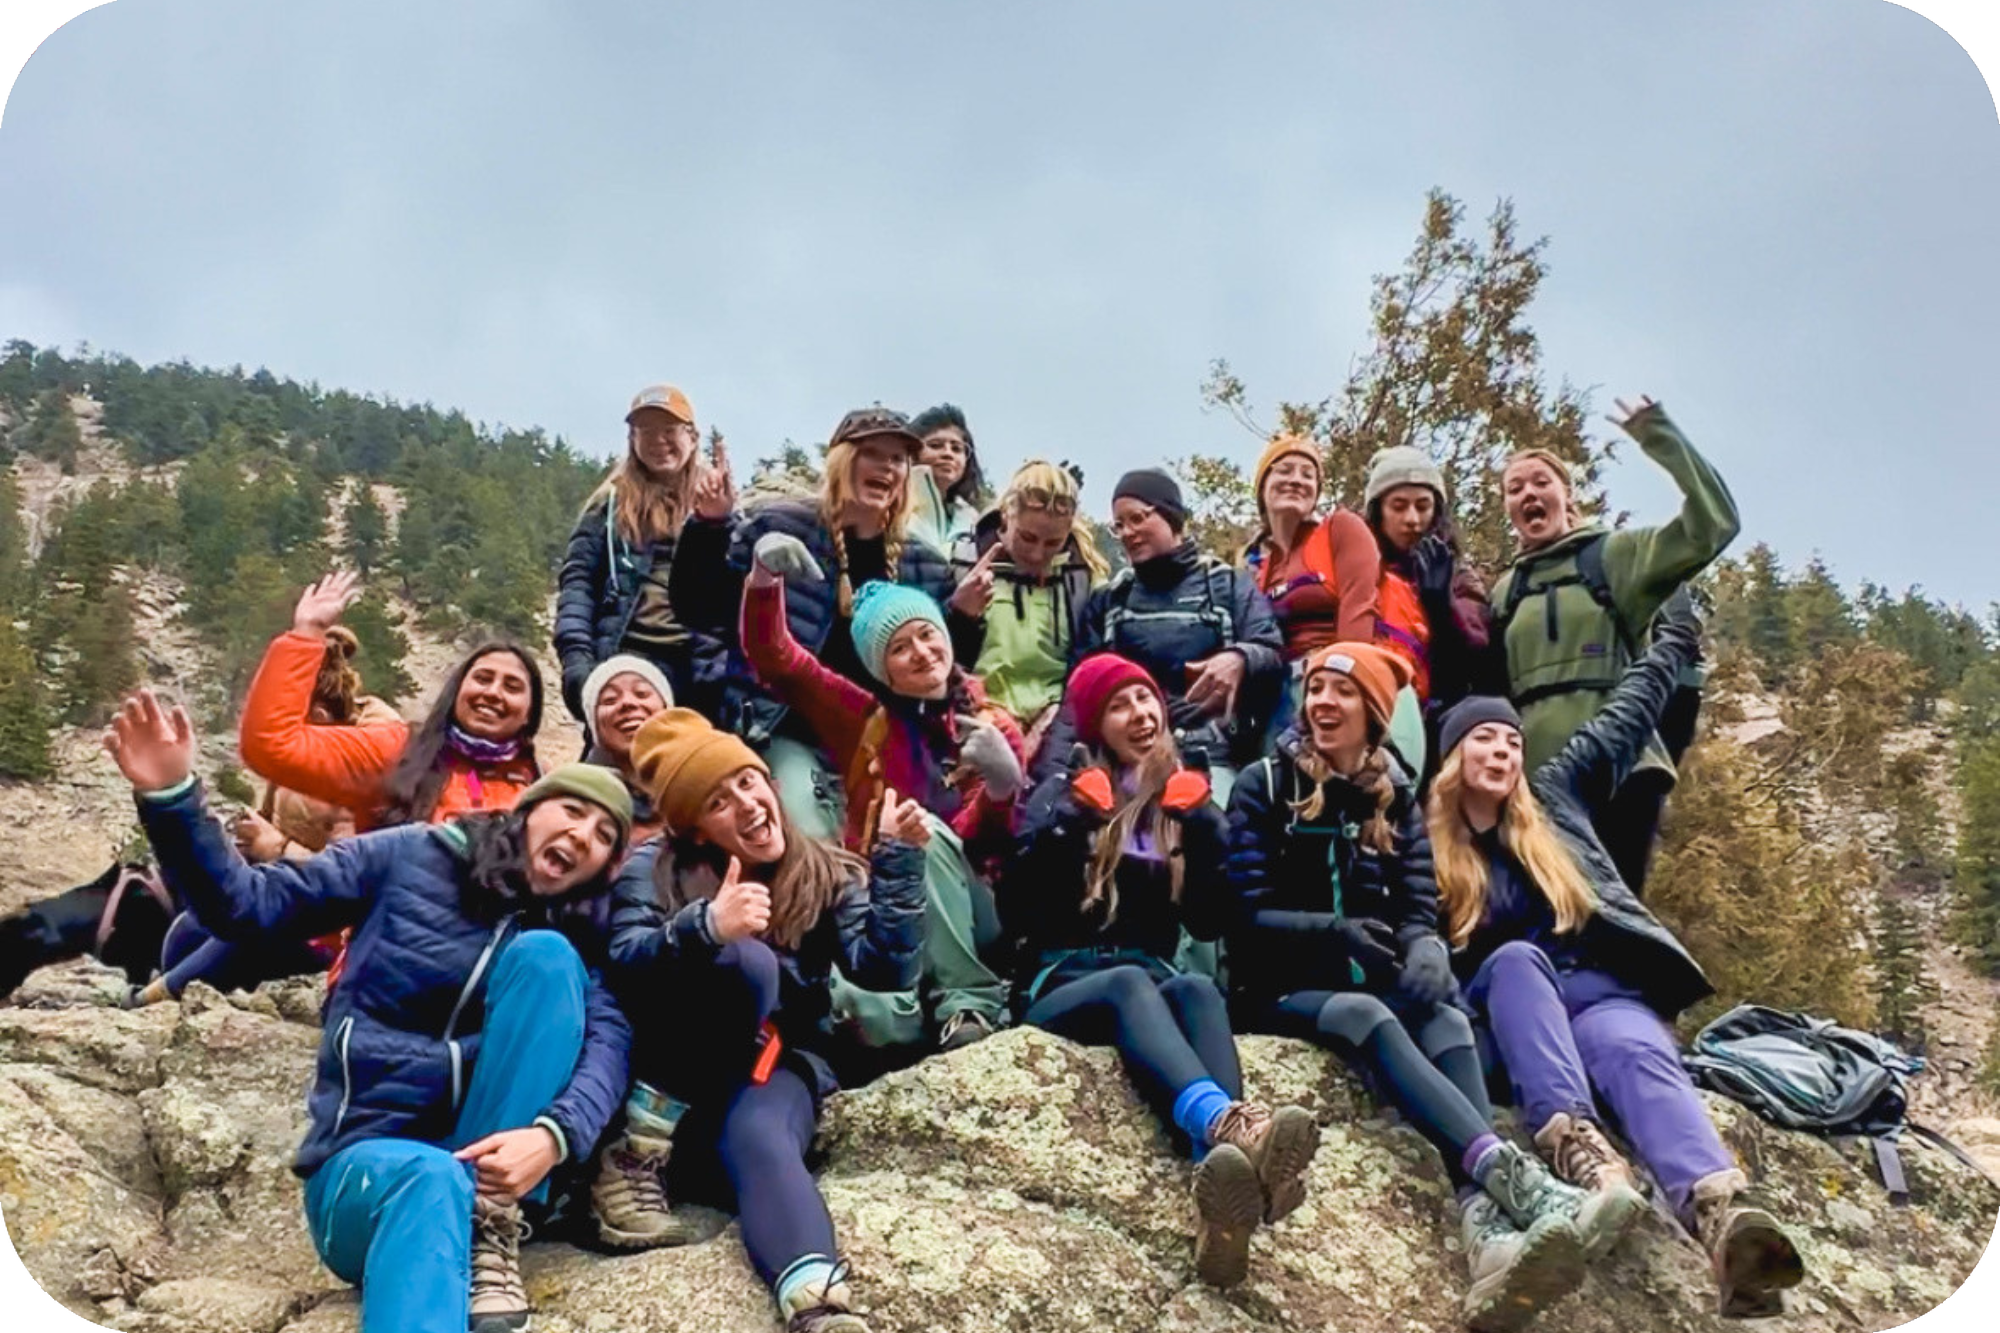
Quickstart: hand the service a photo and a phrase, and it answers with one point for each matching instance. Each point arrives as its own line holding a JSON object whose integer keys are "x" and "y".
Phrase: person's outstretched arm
{"x": 1604, "y": 751}
{"x": 1645, "y": 565}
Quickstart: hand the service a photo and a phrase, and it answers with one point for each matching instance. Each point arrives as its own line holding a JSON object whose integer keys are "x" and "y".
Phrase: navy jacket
{"x": 1621, "y": 938}
{"x": 1278, "y": 868}
{"x": 1165, "y": 613}
{"x": 874, "y": 931}
{"x": 809, "y": 607}
{"x": 403, "y": 1026}
{"x": 599, "y": 589}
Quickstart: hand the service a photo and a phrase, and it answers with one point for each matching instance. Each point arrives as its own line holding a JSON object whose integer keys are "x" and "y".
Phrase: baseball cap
{"x": 665, "y": 397}
{"x": 863, "y": 422}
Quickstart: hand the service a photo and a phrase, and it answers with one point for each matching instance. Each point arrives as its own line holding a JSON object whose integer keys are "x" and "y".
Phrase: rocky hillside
{"x": 1015, "y": 1185}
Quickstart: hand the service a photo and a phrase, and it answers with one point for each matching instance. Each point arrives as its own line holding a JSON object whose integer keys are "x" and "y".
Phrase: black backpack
{"x": 1811, "y": 1074}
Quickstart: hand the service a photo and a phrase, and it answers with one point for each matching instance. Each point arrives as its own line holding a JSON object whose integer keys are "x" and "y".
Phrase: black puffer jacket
{"x": 1041, "y": 897}
{"x": 1621, "y": 937}
{"x": 599, "y": 589}
{"x": 810, "y": 608}
{"x": 1287, "y": 900}
{"x": 1167, "y": 612}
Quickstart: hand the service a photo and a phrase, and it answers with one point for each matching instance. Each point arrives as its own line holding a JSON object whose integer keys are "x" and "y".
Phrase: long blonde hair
{"x": 836, "y": 489}
{"x": 1040, "y": 486}
{"x": 1100, "y": 883}
{"x": 1372, "y": 778}
{"x": 1463, "y": 875}
{"x": 648, "y": 508}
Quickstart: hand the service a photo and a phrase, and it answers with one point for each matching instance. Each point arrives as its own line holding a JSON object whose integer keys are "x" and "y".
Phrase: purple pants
{"x": 1561, "y": 1035}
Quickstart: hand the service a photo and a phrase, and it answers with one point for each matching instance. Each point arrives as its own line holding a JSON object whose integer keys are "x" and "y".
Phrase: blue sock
{"x": 1197, "y": 1107}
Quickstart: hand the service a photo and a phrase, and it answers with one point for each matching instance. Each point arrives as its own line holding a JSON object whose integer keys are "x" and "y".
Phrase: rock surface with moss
{"x": 1017, "y": 1184}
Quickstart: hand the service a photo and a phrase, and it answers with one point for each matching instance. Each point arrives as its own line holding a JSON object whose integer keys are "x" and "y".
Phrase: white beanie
{"x": 622, "y": 664}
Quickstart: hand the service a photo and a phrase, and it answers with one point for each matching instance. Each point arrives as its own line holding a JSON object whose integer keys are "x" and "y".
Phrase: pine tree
{"x": 101, "y": 664}
{"x": 24, "y": 716}
{"x": 1819, "y": 613}
{"x": 367, "y": 526}
{"x": 383, "y": 648}
{"x": 1976, "y": 876}
{"x": 51, "y": 432}
{"x": 1903, "y": 983}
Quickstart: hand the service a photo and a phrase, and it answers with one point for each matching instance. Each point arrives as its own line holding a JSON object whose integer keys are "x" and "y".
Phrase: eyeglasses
{"x": 1121, "y": 526}
{"x": 1041, "y": 497}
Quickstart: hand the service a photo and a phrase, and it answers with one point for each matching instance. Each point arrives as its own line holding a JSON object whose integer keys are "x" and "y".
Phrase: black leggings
{"x": 1170, "y": 1033}
{"x": 1422, "y": 1059}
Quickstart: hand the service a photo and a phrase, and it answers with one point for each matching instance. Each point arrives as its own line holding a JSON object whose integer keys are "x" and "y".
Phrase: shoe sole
{"x": 501, "y": 1323}
{"x": 1618, "y": 1207}
{"x": 1548, "y": 1268}
{"x": 1288, "y": 1154}
{"x": 1758, "y": 1262}
{"x": 613, "y": 1239}
{"x": 1229, "y": 1202}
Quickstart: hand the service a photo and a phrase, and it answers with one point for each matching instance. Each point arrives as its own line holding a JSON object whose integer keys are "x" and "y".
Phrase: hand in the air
{"x": 786, "y": 556}
{"x": 714, "y": 485}
{"x": 320, "y": 605}
{"x": 1433, "y": 567}
{"x": 986, "y": 752}
{"x": 1630, "y": 412}
{"x": 975, "y": 591}
{"x": 153, "y": 748}
{"x": 903, "y": 821}
{"x": 740, "y": 909}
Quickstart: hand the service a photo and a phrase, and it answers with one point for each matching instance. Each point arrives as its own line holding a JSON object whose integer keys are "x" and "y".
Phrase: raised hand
{"x": 986, "y": 752}
{"x": 1629, "y": 412}
{"x": 741, "y": 908}
{"x": 509, "y": 1164}
{"x": 975, "y": 591}
{"x": 903, "y": 820}
{"x": 320, "y": 605}
{"x": 785, "y": 556}
{"x": 1214, "y": 681}
{"x": 1433, "y": 566}
{"x": 1186, "y": 792}
{"x": 715, "y": 485}
{"x": 152, "y": 747}
{"x": 1091, "y": 789}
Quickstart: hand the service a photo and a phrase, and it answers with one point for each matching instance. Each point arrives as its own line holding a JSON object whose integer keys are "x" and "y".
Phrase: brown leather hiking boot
{"x": 1228, "y": 1204}
{"x": 628, "y": 1199}
{"x": 827, "y": 1309}
{"x": 1280, "y": 1145}
{"x": 499, "y": 1300}
{"x": 1580, "y": 1154}
{"x": 1753, "y": 1259}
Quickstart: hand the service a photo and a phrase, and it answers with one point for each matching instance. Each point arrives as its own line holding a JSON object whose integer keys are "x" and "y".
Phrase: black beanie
{"x": 1472, "y": 711}
{"x": 1152, "y": 487}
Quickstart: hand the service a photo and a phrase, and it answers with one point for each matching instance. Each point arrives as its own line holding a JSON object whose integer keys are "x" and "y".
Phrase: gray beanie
{"x": 1401, "y": 465}
{"x": 1472, "y": 711}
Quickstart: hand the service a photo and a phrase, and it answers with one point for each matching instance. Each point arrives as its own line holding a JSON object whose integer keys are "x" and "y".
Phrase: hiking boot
{"x": 963, "y": 1028}
{"x": 1228, "y": 1204}
{"x": 1280, "y": 1145}
{"x": 1753, "y": 1259}
{"x": 1604, "y": 1202}
{"x": 499, "y": 1300}
{"x": 825, "y": 1309}
{"x": 628, "y": 1199}
{"x": 1516, "y": 1273}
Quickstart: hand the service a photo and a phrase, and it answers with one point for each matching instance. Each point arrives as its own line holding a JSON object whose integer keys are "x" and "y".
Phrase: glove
{"x": 1681, "y": 614}
{"x": 787, "y": 557}
{"x": 1091, "y": 790}
{"x": 1426, "y": 975}
{"x": 1370, "y": 944}
{"x": 987, "y": 753}
{"x": 572, "y": 691}
{"x": 1187, "y": 791}
{"x": 1432, "y": 565}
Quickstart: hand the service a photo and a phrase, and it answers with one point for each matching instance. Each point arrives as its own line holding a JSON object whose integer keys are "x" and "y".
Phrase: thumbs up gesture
{"x": 741, "y": 908}
{"x": 903, "y": 820}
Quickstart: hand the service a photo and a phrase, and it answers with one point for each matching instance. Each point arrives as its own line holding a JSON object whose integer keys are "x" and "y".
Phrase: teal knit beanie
{"x": 880, "y": 609}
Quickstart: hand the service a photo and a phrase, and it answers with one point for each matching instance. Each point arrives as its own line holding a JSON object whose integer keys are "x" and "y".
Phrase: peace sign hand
{"x": 741, "y": 908}
{"x": 321, "y": 604}
{"x": 903, "y": 821}
{"x": 975, "y": 591}
{"x": 153, "y": 748}
{"x": 715, "y": 484}
{"x": 1629, "y": 412}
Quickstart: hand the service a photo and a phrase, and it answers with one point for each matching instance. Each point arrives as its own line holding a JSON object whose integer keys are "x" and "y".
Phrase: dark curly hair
{"x": 496, "y": 878}
{"x": 971, "y": 486}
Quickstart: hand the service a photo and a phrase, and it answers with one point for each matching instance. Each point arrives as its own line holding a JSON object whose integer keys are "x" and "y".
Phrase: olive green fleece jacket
{"x": 1579, "y": 642}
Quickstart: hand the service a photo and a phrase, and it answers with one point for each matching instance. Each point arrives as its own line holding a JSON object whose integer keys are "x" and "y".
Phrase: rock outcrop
{"x": 1017, "y": 1184}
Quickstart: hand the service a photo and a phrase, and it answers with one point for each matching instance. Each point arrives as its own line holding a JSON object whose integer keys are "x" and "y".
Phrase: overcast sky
{"x": 1778, "y": 217}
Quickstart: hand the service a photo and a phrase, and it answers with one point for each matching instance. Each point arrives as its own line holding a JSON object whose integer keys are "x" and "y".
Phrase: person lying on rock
{"x": 468, "y": 1050}
{"x": 1335, "y": 941}
{"x": 726, "y": 932}
{"x": 924, "y": 727}
{"x": 1116, "y": 857}
{"x": 1576, "y": 979}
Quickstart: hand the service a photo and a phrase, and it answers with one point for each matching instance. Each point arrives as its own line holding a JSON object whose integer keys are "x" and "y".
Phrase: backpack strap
{"x": 1889, "y": 1165}
{"x": 1937, "y": 1140}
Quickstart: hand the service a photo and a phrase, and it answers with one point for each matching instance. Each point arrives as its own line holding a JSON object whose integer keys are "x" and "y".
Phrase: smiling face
{"x": 569, "y": 841}
{"x": 494, "y": 697}
{"x": 1291, "y": 488}
{"x": 1537, "y": 499}
{"x": 1336, "y": 715}
{"x": 1133, "y": 722}
{"x": 623, "y": 706}
{"x": 662, "y": 442}
{"x": 918, "y": 661}
{"x": 1407, "y": 514}
{"x": 1490, "y": 760}
{"x": 880, "y": 472}
{"x": 945, "y": 452}
{"x": 1034, "y": 538}
{"x": 741, "y": 818}
{"x": 1141, "y": 529}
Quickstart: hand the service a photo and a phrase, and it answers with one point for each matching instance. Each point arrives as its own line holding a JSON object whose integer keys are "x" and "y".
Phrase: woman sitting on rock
{"x": 925, "y": 730}
{"x": 725, "y": 936}
{"x": 1116, "y": 857}
{"x": 619, "y": 696}
{"x": 1336, "y": 941}
{"x": 1576, "y": 979}
{"x": 469, "y": 1050}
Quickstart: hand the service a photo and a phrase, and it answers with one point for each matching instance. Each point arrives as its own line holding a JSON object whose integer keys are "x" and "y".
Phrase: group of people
{"x": 880, "y": 772}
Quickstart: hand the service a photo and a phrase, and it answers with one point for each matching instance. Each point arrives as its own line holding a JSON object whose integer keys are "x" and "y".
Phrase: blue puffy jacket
{"x": 403, "y": 1025}
{"x": 599, "y": 588}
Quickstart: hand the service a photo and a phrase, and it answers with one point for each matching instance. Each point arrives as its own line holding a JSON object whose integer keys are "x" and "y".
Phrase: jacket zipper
{"x": 471, "y": 984}
{"x": 346, "y": 1073}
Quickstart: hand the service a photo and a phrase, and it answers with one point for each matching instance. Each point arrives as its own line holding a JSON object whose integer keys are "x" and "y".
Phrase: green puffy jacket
{"x": 1565, "y": 651}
